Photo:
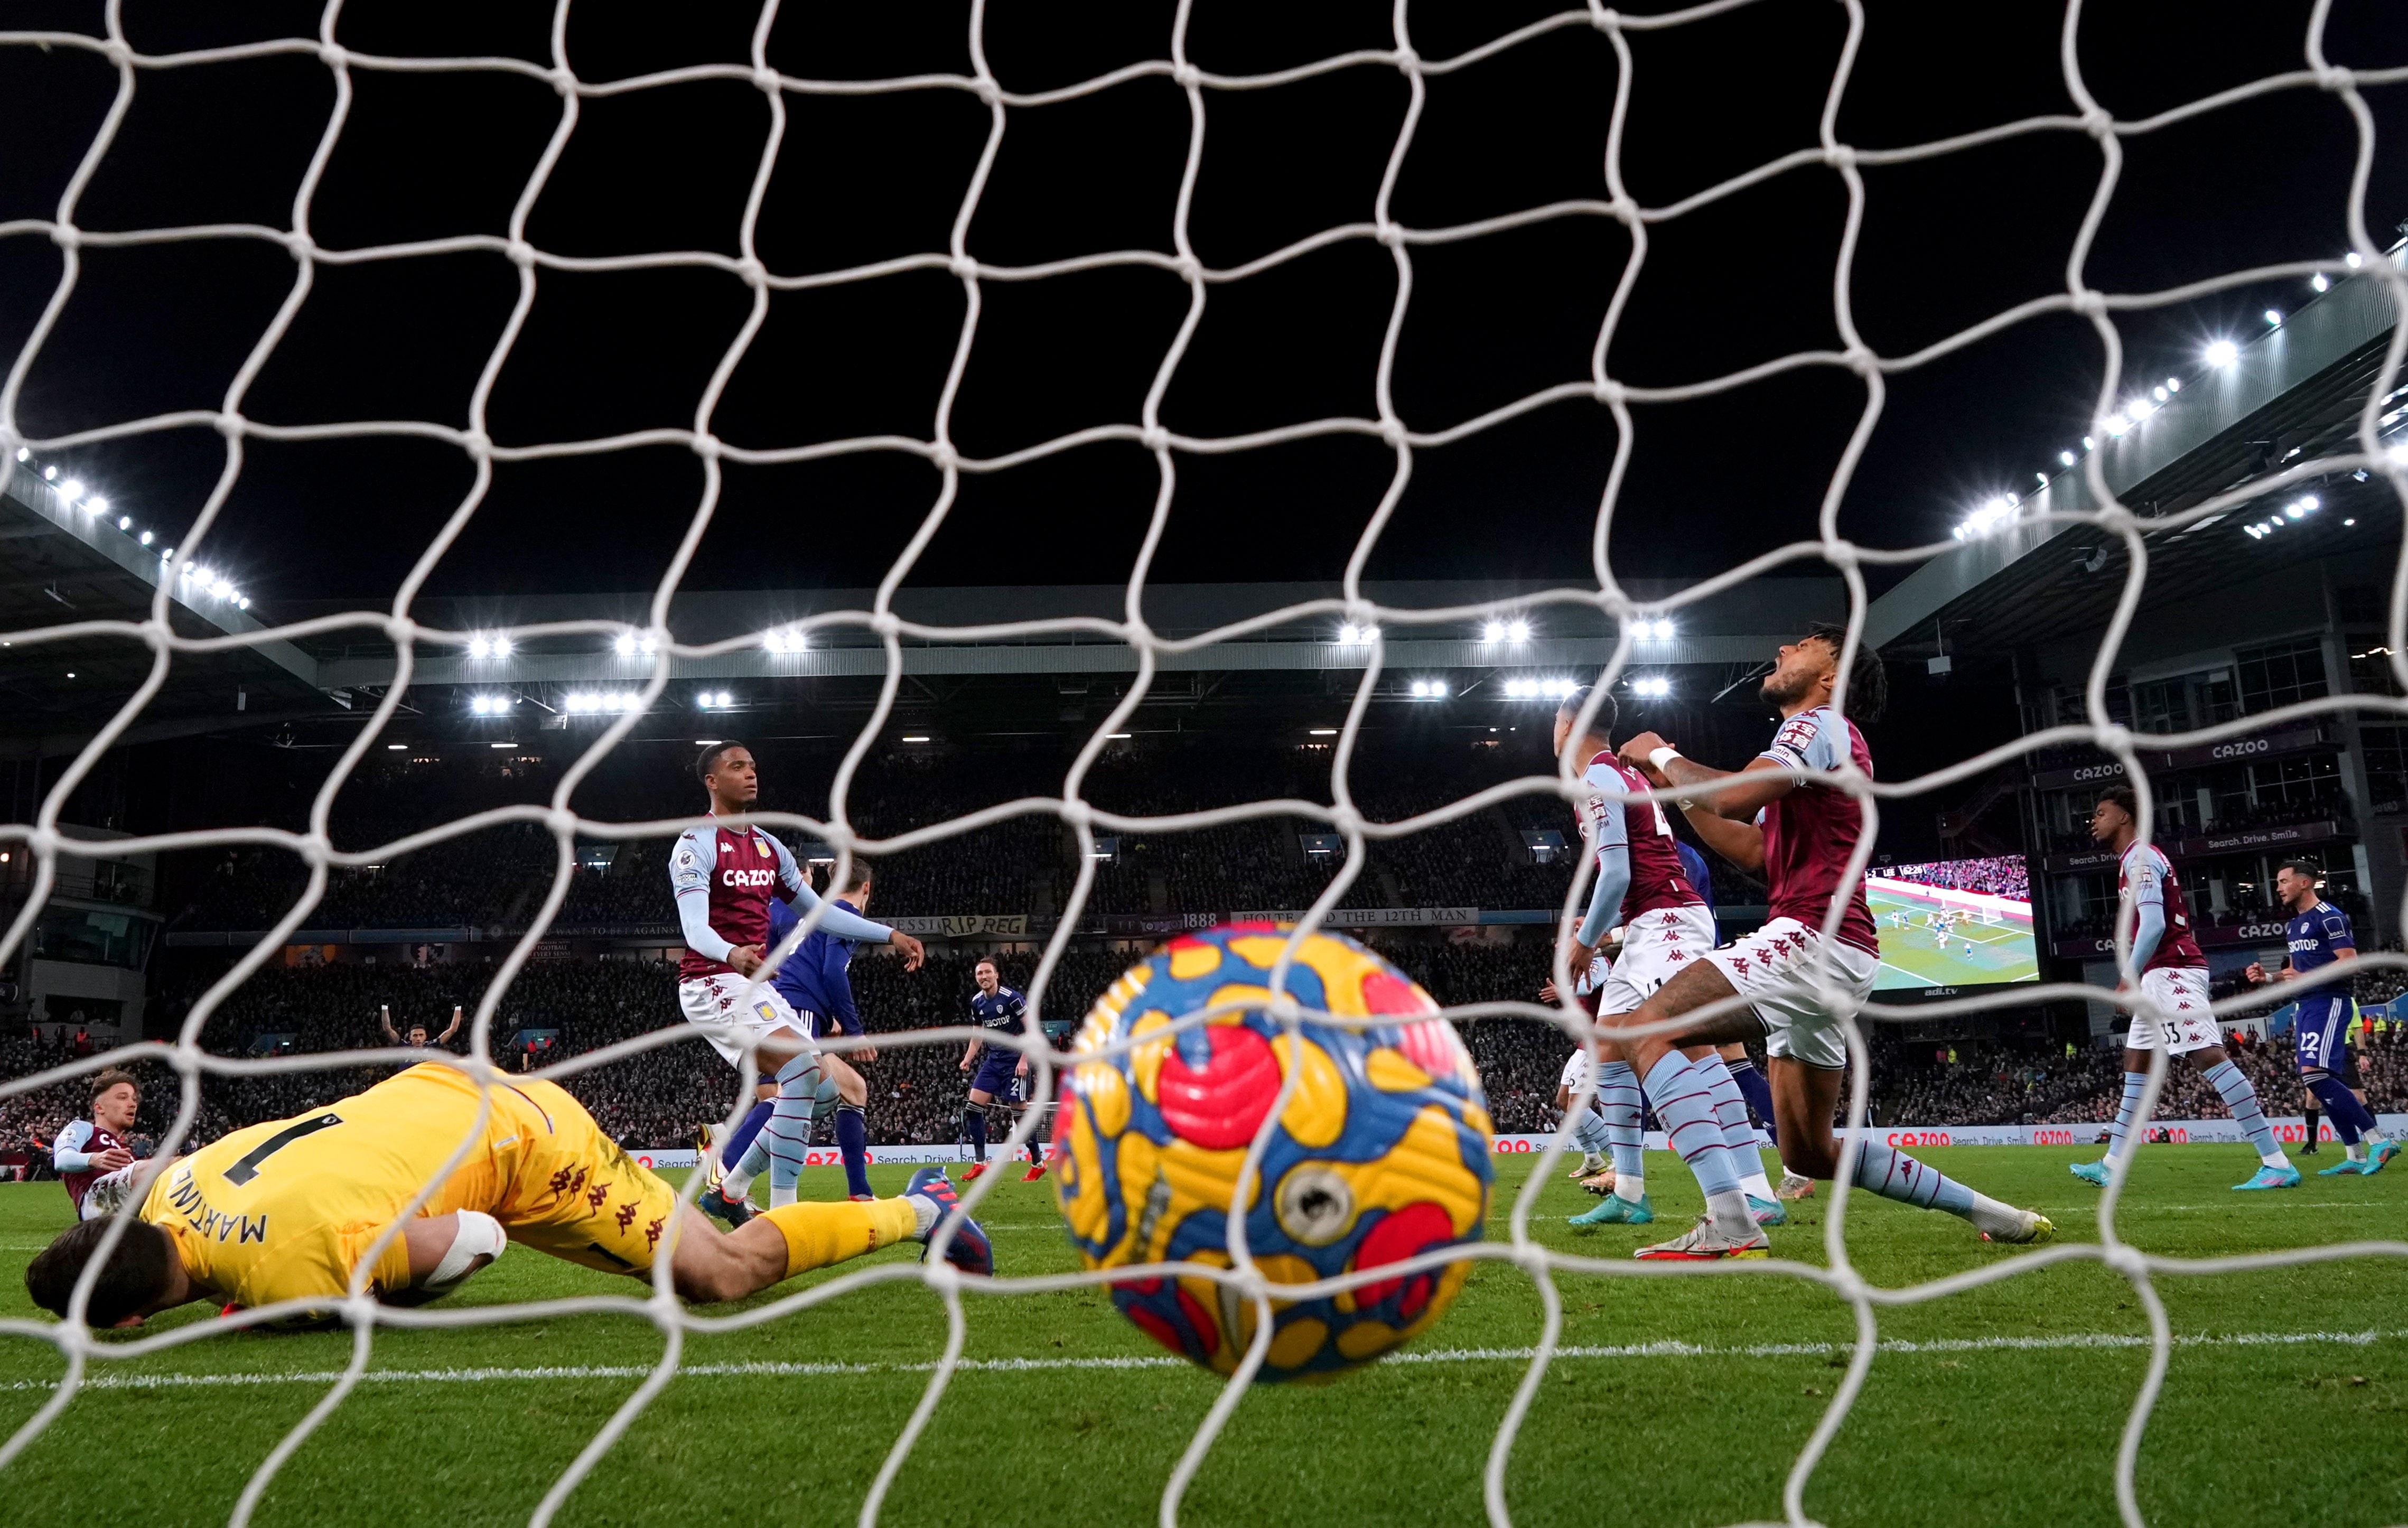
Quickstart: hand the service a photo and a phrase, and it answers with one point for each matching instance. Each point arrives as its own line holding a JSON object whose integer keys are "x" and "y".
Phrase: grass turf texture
{"x": 2250, "y": 1428}
{"x": 1913, "y": 957}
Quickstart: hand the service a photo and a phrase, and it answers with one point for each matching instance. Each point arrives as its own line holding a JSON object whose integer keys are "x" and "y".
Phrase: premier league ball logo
{"x": 1382, "y": 1153}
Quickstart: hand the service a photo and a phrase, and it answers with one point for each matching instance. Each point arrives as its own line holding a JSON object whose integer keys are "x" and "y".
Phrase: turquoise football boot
{"x": 2269, "y": 1177}
{"x": 1616, "y": 1211}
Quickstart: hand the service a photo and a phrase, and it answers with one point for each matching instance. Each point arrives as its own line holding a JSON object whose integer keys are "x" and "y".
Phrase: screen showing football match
{"x": 1954, "y": 923}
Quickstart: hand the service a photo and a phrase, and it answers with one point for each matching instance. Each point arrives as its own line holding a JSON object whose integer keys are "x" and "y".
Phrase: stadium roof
{"x": 81, "y": 568}
{"x": 2289, "y": 399}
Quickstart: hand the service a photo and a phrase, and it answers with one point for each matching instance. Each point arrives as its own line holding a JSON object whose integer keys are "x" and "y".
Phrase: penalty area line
{"x": 1021, "y": 1365}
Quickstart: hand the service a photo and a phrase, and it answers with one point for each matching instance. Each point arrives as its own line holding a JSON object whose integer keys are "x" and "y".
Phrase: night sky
{"x": 1944, "y": 243}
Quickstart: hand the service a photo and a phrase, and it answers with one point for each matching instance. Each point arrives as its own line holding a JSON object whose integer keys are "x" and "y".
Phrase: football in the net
{"x": 1382, "y": 1153}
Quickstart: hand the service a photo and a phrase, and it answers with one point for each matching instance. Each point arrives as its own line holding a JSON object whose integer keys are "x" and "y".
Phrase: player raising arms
{"x": 286, "y": 1210}
{"x": 416, "y": 1038}
{"x": 1800, "y": 833}
{"x": 998, "y": 1007}
{"x": 2173, "y": 1012}
{"x": 2319, "y": 935}
{"x": 724, "y": 878}
{"x": 1643, "y": 886}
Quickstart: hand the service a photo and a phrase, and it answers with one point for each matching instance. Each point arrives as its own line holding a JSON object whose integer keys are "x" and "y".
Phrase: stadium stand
{"x": 917, "y": 1092}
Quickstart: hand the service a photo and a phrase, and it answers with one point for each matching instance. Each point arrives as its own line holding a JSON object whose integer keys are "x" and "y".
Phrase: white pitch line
{"x": 1914, "y": 975}
{"x": 2116, "y": 1340}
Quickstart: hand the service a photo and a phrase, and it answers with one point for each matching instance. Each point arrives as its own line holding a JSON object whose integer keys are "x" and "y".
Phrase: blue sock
{"x": 2233, "y": 1085}
{"x": 2350, "y": 1119}
{"x": 1677, "y": 1087}
{"x": 1894, "y": 1174}
{"x": 852, "y": 1139}
{"x": 788, "y": 1133}
{"x": 741, "y": 1142}
{"x": 976, "y": 1121}
{"x": 1758, "y": 1092}
{"x": 2133, "y": 1083}
{"x": 1618, "y": 1104}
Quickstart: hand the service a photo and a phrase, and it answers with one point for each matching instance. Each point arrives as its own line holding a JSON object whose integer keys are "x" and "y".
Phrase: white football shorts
{"x": 1775, "y": 968}
{"x": 1575, "y": 1069}
{"x": 722, "y": 999}
{"x": 2183, "y": 1023}
{"x": 1656, "y": 947}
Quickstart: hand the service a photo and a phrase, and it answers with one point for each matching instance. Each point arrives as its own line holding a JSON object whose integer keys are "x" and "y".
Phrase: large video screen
{"x": 1954, "y": 923}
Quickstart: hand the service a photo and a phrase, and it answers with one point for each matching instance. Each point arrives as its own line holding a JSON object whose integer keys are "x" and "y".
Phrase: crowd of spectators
{"x": 1997, "y": 875}
{"x": 498, "y": 876}
{"x": 559, "y": 1009}
{"x": 1970, "y": 1082}
{"x": 1982, "y": 1083}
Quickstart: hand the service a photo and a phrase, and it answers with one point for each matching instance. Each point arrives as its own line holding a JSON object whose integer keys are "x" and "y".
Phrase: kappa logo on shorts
{"x": 598, "y": 1195}
{"x": 1674, "y": 955}
{"x": 652, "y": 1231}
{"x": 567, "y": 1183}
{"x": 626, "y": 1216}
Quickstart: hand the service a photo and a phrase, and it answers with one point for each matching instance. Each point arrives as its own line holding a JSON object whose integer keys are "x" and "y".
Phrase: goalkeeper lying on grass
{"x": 284, "y": 1211}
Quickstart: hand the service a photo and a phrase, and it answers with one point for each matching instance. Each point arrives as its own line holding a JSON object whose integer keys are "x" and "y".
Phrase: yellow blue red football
{"x": 1382, "y": 1152}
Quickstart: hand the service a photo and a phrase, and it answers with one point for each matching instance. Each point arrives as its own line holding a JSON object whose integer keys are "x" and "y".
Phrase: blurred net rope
{"x": 75, "y": 1341}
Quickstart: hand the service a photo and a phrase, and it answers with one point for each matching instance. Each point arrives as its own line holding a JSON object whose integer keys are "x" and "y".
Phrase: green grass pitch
{"x": 2286, "y": 1405}
{"x": 1911, "y": 957}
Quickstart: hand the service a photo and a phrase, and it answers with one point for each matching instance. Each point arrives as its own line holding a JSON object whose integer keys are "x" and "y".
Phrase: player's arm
{"x": 67, "y": 1153}
{"x": 384, "y": 1022}
{"x": 1028, "y": 1026}
{"x": 452, "y": 1029}
{"x": 1741, "y": 843}
{"x": 839, "y": 922}
{"x": 2149, "y": 923}
{"x": 690, "y": 874}
{"x": 1604, "y": 901}
{"x": 1664, "y": 766}
{"x": 2338, "y": 938}
{"x": 835, "y": 980}
{"x": 782, "y": 920}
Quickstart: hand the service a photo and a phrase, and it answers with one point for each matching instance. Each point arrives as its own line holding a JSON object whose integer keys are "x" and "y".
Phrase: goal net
{"x": 1008, "y": 105}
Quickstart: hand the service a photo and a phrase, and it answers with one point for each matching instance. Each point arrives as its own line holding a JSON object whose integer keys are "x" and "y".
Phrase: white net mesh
{"x": 1542, "y": 1264}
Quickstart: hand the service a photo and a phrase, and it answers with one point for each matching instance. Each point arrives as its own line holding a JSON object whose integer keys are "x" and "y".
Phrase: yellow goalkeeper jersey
{"x": 286, "y": 1210}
